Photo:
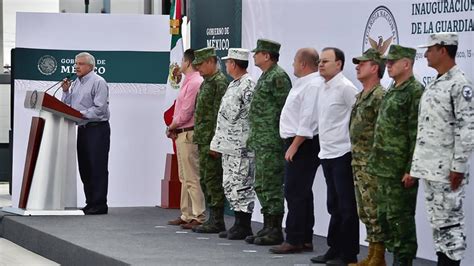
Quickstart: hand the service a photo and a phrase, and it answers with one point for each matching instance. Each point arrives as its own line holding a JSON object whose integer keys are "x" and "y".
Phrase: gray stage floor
{"x": 140, "y": 236}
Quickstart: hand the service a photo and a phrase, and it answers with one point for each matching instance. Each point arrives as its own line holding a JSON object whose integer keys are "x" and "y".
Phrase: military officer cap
{"x": 442, "y": 38}
{"x": 370, "y": 55}
{"x": 238, "y": 54}
{"x": 267, "y": 46}
{"x": 398, "y": 52}
{"x": 202, "y": 54}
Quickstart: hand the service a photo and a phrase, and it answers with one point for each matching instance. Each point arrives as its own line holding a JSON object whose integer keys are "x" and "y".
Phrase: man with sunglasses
{"x": 335, "y": 101}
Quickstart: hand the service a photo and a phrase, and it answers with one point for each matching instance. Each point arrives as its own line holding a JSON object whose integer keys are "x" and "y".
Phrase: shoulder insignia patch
{"x": 279, "y": 82}
{"x": 467, "y": 93}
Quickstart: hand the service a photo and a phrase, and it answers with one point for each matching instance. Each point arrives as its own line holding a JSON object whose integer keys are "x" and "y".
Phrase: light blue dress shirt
{"x": 90, "y": 96}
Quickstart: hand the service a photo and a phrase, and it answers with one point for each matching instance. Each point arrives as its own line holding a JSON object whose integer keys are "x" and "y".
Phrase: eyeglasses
{"x": 324, "y": 61}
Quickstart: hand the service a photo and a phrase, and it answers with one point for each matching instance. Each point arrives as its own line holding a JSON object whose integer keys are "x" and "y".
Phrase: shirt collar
{"x": 404, "y": 84}
{"x": 306, "y": 78}
{"x": 191, "y": 76}
{"x": 88, "y": 76}
{"x": 244, "y": 76}
{"x": 212, "y": 77}
{"x": 366, "y": 95}
{"x": 335, "y": 79}
{"x": 448, "y": 74}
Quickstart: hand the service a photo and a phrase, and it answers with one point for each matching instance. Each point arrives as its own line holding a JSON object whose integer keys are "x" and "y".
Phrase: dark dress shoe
{"x": 286, "y": 248}
{"x": 308, "y": 247}
{"x": 191, "y": 224}
{"x": 329, "y": 255}
{"x": 177, "y": 221}
{"x": 86, "y": 207}
{"x": 223, "y": 234}
{"x": 101, "y": 209}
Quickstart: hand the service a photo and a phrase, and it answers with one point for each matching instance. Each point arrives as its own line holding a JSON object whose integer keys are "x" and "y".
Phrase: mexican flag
{"x": 176, "y": 53}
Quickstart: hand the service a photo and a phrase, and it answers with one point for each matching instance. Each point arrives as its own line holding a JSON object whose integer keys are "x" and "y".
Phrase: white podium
{"x": 49, "y": 177}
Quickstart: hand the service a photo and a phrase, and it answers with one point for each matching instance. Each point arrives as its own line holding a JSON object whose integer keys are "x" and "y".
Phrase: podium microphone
{"x": 67, "y": 77}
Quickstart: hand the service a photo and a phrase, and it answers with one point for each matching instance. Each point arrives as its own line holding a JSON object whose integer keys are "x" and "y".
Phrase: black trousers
{"x": 299, "y": 177}
{"x": 93, "y": 144}
{"x": 343, "y": 232}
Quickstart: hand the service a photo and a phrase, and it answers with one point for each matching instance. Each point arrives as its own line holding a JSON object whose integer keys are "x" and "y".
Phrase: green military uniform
{"x": 394, "y": 142}
{"x": 361, "y": 130}
{"x": 207, "y": 106}
{"x": 264, "y": 139}
{"x": 363, "y": 117}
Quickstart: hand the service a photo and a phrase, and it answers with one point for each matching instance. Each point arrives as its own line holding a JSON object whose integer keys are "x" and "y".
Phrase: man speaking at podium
{"x": 89, "y": 94}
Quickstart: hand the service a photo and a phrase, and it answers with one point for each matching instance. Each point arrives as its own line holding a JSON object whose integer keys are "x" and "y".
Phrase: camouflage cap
{"x": 203, "y": 54}
{"x": 267, "y": 46}
{"x": 238, "y": 54}
{"x": 370, "y": 55}
{"x": 442, "y": 38}
{"x": 398, "y": 52}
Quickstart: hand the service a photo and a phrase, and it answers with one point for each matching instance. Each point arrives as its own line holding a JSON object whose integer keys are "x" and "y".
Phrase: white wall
{"x": 341, "y": 23}
{"x": 10, "y": 7}
{"x": 78, "y": 6}
{"x": 138, "y": 144}
{"x": 127, "y": 6}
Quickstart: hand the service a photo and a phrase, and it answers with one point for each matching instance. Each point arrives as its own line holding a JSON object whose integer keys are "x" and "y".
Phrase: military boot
{"x": 378, "y": 255}
{"x": 214, "y": 224}
{"x": 262, "y": 232}
{"x": 444, "y": 260}
{"x": 274, "y": 235}
{"x": 243, "y": 228}
{"x": 365, "y": 262}
{"x": 402, "y": 261}
{"x": 225, "y": 234}
{"x": 210, "y": 220}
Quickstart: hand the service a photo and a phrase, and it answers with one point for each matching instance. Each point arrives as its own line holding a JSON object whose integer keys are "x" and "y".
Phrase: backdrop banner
{"x": 132, "y": 54}
{"x": 355, "y": 26}
{"x": 216, "y": 23}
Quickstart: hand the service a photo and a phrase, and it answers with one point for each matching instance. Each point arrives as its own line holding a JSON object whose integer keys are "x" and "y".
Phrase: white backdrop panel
{"x": 138, "y": 145}
{"x": 304, "y": 23}
{"x": 108, "y": 32}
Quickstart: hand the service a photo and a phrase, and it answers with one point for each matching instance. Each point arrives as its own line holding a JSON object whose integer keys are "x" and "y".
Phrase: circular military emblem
{"x": 47, "y": 65}
{"x": 467, "y": 93}
{"x": 381, "y": 30}
{"x": 33, "y": 99}
{"x": 174, "y": 76}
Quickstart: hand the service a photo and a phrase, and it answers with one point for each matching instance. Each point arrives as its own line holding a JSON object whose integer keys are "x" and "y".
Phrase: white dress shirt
{"x": 335, "y": 103}
{"x": 299, "y": 114}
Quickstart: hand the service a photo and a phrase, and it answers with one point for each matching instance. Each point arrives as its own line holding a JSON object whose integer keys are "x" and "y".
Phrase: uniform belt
{"x": 93, "y": 124}
{"x": 184, "y": 129}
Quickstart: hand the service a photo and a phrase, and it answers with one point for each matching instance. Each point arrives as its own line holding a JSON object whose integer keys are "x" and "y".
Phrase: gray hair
{"x": 90, "y": 58}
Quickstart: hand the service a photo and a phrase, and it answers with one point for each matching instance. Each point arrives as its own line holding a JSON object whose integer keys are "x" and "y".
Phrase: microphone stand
{"x": 53, "y": 86}
{"x": 68, "y": 77}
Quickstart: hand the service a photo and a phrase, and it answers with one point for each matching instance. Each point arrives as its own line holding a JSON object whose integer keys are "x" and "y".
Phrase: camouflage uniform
{"x": 207, "y": 106}
{"x": 390, "y": 159}
{"x": 269, "y": 98}
{"x": 364, "y": 114}
{"x": 444, "y": 143}
{"x": 230, "y": 139}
